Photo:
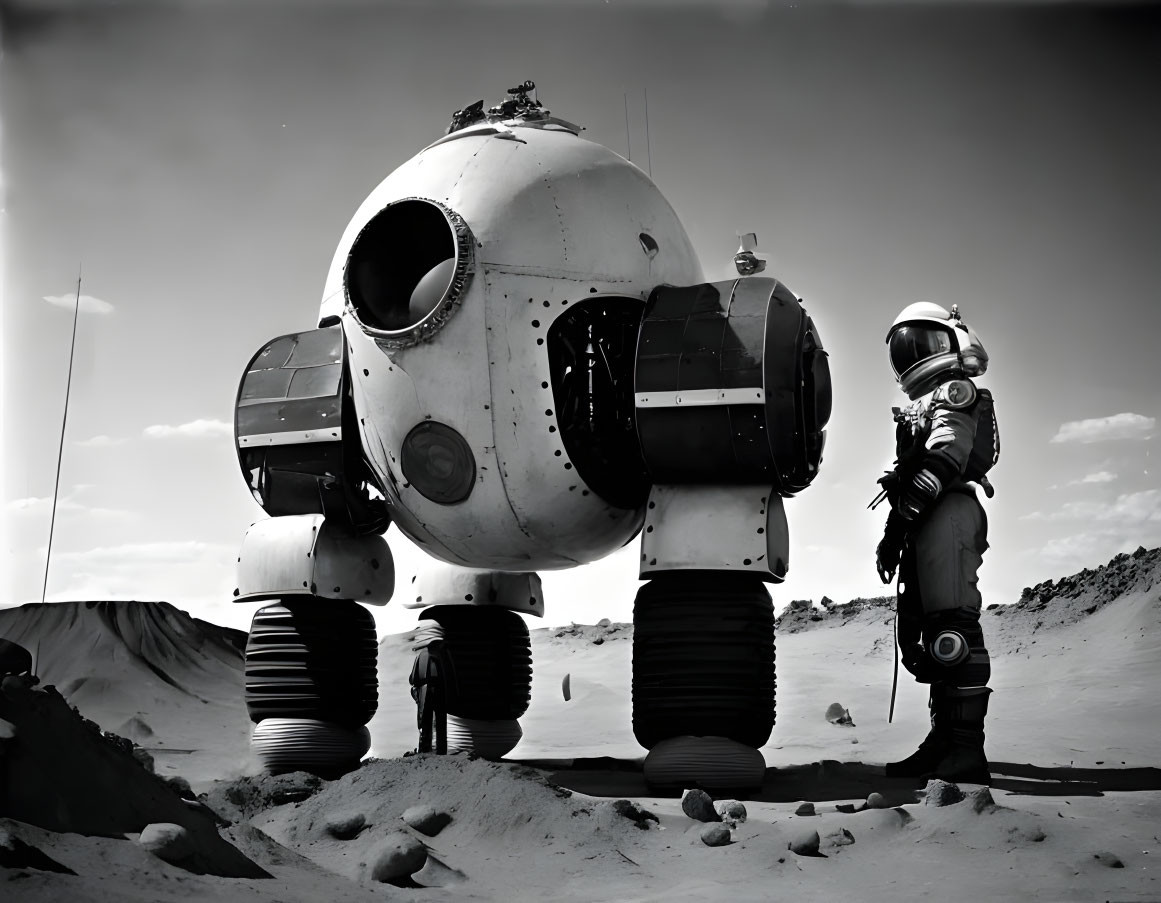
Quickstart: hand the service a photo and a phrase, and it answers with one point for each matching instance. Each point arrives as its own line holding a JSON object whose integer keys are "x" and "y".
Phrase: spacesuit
{"x": 936, "y": 533}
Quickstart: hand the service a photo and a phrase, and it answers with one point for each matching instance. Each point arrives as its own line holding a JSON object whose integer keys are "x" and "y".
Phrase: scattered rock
{"x": 942, "y": 793}
{"x": 14, "y": 658}
{"x": 144, "y": 759}
{"x": 18, "y": 687}
{"x": 630, "y": 810}
{"x": 397, "y": 857}
{"x": 1109, "y": 860}
{"x": 436, "y": 873}
{"x": 16, "y": 854}
{"x": 598, "y": 640}
{"x": 427, "y": 819}
{"x": 804, "y": 843}
{"x": 805, "y": 809}
{"x": 180, "y": 786}
{"x": 604, "y": 622}
{"x": 733, "y": 810}
{"x": 345, "y": 825}
{"x": 715, "y": 835}
{"x": 836, "y": 714}
{"x": 697, "y": 804}
{"x": 981, "y": 800}
{"x": 168, "y": 842}
{"x": 850, "y": 808}
{"x": 876, "y": 801}
{"x": 840, "y": 838}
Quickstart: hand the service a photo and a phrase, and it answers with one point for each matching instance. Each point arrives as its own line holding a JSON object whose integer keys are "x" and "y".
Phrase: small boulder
{"x": 7, "y": 730}
{"x": 604, "y": 622}
{"x": 427, "y": 819}
{"x": 716, "y": 835}
{"x": 805, "y": 809}
{"x": 697, "y": 804}
{"x": 981, "y": 800}
{"x": 16, "y": 854}
{"x": 731, "y": 810}
{"x": 876, "y": 801}
{"x": 344, "y": 825}
{"x": 840, "y": 838}
{"x": 180, "y": 786}
{"x": 168, "y": 842}
{"x": 397, "y": 857}
{"x": 837, "y": 714}
{"x": 942, "y": 793}
{"x": 144, "y": 759}
{"x": 630, "y": 810}
{"x": 805, "y": 843}
{"x": 1108, "y": 860}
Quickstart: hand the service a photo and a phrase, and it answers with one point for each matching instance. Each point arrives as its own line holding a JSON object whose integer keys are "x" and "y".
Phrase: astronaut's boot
{"x": 963, "y": 713}
{"x": 934, "y": 746}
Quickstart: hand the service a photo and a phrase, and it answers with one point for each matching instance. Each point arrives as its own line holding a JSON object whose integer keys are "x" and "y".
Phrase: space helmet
{"x": 928, "y": 345}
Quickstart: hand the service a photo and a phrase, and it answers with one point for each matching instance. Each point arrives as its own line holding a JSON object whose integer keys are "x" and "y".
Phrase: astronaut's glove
{"x": 890, "y": 548}
{"x": 917, "y": 663}
{"x": 923, "y": 489}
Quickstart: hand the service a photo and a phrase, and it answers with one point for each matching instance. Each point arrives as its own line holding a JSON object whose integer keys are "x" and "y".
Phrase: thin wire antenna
{"x": 628, "y": 143}
{"x": 648, "y": 148}
{"x": 60, "y": 451}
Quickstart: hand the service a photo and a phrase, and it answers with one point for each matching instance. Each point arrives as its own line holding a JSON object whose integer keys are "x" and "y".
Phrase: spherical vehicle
{"x": 517, "y": 362}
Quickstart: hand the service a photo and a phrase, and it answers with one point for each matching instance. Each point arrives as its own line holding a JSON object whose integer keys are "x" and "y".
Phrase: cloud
{"x": 1105, "y": 429}
{"x": 101, "y": 441}
{"x": 195, "y": 429}
{"x": 89, "y": 304}
{"x": 36, "y": 506}
{"x": 193, "y": 574}
{"x": 1127, "y": 510}
{"x": 1101, "y": 476}
{"x": 1096, "y": 546}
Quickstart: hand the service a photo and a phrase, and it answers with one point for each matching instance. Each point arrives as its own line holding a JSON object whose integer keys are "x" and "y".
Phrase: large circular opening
{"x": 407, "y": 264}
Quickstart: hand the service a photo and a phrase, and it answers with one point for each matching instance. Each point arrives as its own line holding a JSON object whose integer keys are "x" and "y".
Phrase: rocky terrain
{"x": 1072, "y": 812}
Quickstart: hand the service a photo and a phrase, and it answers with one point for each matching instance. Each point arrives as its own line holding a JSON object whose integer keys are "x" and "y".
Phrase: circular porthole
{"x": 407, "y": 270}
{"x": 438, "y": 462}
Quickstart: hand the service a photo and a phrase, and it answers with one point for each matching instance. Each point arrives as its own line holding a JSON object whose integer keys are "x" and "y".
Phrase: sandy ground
{"x": 1073, "y": 737}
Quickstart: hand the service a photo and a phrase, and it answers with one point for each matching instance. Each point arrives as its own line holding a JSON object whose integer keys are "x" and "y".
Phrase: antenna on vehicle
{"x": 648, "y": 147}
{"x": 628, "y": 142}
{"x": 60, "y": 451}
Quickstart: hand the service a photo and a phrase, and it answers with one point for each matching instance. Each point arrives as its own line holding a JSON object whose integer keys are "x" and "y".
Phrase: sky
{"x": 197, "y": 162}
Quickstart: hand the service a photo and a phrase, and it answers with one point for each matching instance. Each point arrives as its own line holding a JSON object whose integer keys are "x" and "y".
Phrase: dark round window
{"x": 407, "y": 268}
{"x": 437, "y": 461}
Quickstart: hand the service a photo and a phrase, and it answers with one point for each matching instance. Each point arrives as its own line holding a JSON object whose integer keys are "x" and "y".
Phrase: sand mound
{"x": 62, "y": 774}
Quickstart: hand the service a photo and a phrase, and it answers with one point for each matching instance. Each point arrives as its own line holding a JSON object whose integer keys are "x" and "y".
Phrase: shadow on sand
{"x": 831, "y": 780}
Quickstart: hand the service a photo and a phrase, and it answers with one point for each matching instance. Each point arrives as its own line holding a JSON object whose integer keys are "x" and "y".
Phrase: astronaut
{"x": 936, "y": 533}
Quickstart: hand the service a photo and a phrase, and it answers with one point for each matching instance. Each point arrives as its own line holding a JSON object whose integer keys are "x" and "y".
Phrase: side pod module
{"x": 732, "y": 386}
{"x": 311, "y": 684}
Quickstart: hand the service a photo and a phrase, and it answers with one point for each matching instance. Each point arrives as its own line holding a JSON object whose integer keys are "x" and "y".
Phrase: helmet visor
{"x": 908, "y": 345}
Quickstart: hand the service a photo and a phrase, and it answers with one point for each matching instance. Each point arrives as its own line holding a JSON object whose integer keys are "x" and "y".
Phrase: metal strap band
{"x": 692, "y": 397}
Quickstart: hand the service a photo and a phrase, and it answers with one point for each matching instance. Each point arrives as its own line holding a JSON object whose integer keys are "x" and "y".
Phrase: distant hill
{"x": 145, "y": 670}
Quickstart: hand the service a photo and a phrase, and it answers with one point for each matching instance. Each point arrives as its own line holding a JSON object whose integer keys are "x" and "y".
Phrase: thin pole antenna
{"x": 648, "y": 147}
{"x": 628, "y": 143}
{"x": 60, "y": 451}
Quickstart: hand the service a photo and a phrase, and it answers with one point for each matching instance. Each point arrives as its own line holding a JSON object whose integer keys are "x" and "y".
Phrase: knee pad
{"x": 953, "y": 644}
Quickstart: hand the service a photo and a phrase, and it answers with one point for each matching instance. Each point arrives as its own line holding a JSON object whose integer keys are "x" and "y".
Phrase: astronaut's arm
{"x": 947, "y": 449}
